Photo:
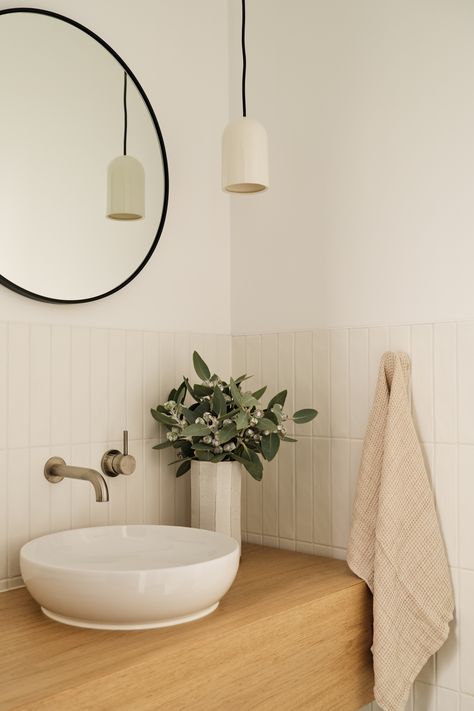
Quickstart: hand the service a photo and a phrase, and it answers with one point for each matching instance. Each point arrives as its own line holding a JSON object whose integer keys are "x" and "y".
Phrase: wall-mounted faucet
{"x": 56, "y": 469}
{"x": 115, "y": 462}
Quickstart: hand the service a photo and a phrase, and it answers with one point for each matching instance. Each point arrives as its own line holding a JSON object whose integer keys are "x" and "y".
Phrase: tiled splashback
{"x": 70, "y": 392}
{"x": 305, "y": 499}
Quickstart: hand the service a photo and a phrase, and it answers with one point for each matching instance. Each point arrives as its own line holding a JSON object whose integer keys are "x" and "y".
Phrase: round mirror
{"x": 83, "y": 170}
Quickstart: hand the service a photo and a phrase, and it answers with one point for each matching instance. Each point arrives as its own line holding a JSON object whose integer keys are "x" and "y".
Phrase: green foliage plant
{"x": 224, "y": 423}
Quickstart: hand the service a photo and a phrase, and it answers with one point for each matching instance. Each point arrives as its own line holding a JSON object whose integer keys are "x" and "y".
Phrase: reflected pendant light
{"x": 244, "y": 145}
{"x": 125, "y": 179}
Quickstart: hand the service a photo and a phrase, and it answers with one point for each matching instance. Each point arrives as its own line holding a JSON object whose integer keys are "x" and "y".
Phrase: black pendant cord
{"x": 244, "y": 63}
{"x": 125, "y": 117}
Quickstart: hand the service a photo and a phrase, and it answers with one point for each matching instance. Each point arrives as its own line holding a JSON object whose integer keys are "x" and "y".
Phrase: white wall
{"x": 369, "y": 108}
{"x": 178, "y": 51}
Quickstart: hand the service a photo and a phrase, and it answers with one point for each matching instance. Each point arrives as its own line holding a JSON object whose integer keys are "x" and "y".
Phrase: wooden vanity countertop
{"x": 293, "y": 632}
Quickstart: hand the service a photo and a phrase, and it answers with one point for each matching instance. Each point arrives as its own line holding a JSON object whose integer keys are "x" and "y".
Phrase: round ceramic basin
{"x": 129, "y": 577}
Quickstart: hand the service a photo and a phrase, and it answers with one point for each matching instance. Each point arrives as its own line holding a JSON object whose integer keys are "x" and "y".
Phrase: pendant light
{"x": 125, "y": 179}
{"x": 244, "y": 145}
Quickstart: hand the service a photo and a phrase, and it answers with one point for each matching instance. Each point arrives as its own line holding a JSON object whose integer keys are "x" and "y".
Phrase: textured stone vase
{"x": 215, "y": 497}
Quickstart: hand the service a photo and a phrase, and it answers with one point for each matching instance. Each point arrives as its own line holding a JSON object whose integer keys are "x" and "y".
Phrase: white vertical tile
{"x": 303, "y": 377}
{"x": 322, "y": 506}
{"x": 18, "y": 506}
{"x": 445, "y": 382}
{"x": 340, "y": 496}
{"x": 359, "y": 381}
{"x": 428, "y": 673}
{"x": 339, "y": 383}
{"x": 304, "y": 489}
{"x": 61, "y": 493}
{"x": 152, "y": 482}
{"x": 466, "y": 382}
{"x": 286, "y": 492}
{"x": 168, "y": 473}
{"x": 117, "y": 385}
{"x": 321, "y": 382}
{"x": 269, "y": 366}
{"x": 355, "y": 459}
{"x": 379, "y": 343}
{"x": 135, "y": 484}
{"x": 40, "y": 384}
{"x": 466, "y": 499}
{"x": 422, "y": 380}
{"x": 18, "y": 385}
{"x": 3, "y": 516}
{"x": 99, "y": 386}
{"x": 467, "y": 703}
{"x": 447, "y": 700}
{"x": 466, "y": 597}
{"x": 446, "y": 487}
{"x": 80, "y": 385}
{"x": 134, "y": 385}
{"x": 400, "y": 339}
{"x": 286, "y": 372}
{"x": 224, "y": 356}
{"x": 254, "y": 488}
{"x": 40, "y": 493}
{"x": 424, "y": 697}
{"x": 80, "y": 493}
{"x": 3, "y": 384}
{"x": 238, "y": 368}
{"x": 151, "y": 382}
{"x": 60, "y": 385}
{"x": 447, "y": 659}
{"x": 183, "y": 368}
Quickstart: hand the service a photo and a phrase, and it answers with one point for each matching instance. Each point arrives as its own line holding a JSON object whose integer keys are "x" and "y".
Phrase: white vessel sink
{"x": 129, "y": 577}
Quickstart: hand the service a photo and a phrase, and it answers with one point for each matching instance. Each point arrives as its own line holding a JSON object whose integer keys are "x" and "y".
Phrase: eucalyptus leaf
{"x": 258, "y": 393}
{"x": 190, "y": 415}
{"x": 242, "y": 420}
{"x": 227, "y": 433}
{"x": 204, "y": 456}
{"x": 190, "y": 389}
{"x": 172, "y": 394}
{"x": 201, "y": 447}
{"x": 219, "y": 404}
{"x": 202, "y": 390}
{"x": 180, "y": 393}
{"x": 183, "y": 468}
{"x": 253, "y": 465}
{"x": 163, "y": 445}
{"x": 270, "y": 446}
{"x": 278, "y": 399}
{"x": 235, "y": 392}
{"x": 200, "y": 367}
{"x": 248, "y": 400}
{"x": 288, "y": 439}
{"x": 265, "y": 424}
{"x": 195, "y": 430}
{"x": 241, "y": 378}
{"x": 302, "y": 416}
{"x": 164, "y": 419}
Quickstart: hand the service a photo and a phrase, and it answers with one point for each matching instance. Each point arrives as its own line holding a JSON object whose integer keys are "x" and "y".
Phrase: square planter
{"x": 215, "y": 497}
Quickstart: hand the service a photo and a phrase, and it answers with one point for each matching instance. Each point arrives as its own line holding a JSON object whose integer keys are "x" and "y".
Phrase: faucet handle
{"x": 115, "y": 462}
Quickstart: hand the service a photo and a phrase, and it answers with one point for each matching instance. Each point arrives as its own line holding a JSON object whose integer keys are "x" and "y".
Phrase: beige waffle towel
{"x": 396, "y": 544}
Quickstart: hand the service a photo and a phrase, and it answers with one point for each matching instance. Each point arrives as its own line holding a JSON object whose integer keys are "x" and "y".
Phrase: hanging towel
{"x": 395, "y": 542}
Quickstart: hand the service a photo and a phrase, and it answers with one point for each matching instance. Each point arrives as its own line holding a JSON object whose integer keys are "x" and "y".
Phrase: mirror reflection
{"x": 83, "y": 180}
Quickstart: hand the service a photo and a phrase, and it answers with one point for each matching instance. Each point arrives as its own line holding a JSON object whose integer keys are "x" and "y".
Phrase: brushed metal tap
{"x": 115, "y": 462}
{"x": 56, "y": 469}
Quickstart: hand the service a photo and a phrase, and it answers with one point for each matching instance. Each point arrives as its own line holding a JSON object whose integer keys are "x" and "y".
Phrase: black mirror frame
{"x": 39, "y": 297}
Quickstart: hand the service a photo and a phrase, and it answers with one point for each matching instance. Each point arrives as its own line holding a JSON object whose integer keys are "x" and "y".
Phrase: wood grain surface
{"x": 294, "y": 632}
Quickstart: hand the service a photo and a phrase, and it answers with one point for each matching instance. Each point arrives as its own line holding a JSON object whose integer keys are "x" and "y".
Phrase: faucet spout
{"x": 56, "y": 469}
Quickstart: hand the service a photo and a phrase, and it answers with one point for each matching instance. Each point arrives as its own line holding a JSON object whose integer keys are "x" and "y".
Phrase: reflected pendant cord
{"x": 244, "y": 63}
{"x": 125, "y": 117}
